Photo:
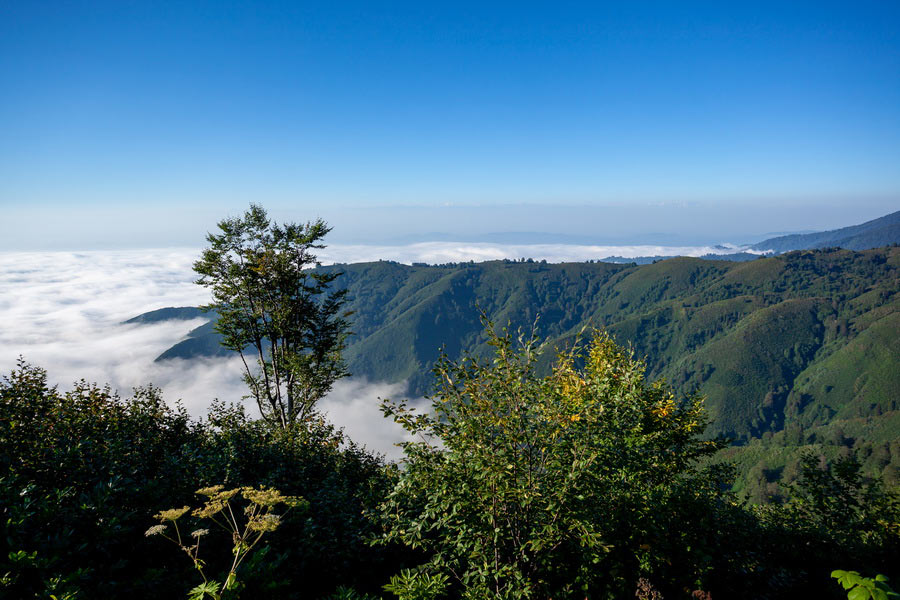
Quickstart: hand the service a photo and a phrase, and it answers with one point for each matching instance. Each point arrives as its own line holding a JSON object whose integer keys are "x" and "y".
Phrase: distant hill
{"x": 883, "y": 231}
{"x": 200, "y": 341}
{"x": 181, "y": 313}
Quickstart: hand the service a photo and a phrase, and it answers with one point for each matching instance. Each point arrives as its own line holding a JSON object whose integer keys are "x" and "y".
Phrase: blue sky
{"x": 142, "y": 122}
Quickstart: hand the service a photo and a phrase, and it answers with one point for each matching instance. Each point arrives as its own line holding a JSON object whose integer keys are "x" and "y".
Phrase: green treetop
{"x": 280, "y": 315}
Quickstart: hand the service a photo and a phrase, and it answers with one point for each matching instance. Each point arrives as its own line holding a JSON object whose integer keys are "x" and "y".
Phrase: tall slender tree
{"x": 279, "y": 313}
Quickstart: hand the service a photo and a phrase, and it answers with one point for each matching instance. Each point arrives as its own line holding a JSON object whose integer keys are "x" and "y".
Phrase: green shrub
{"x": 80, "y": 472}
{"x": 528, "y": 486}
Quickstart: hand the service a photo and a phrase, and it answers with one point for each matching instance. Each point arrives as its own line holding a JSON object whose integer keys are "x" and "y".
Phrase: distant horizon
{"x": 612, "y": 225}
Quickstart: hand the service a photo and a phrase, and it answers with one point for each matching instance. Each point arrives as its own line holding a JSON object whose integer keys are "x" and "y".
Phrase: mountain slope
{"x": 803, "y": 338}
{"x": 879, "y": 232}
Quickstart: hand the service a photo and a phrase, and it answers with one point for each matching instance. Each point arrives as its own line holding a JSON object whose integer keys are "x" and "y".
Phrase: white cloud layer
{"x": 444, "y": 252}
{"x": 64, "y": 311}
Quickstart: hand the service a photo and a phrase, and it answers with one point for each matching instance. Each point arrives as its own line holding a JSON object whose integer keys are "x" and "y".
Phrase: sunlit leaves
{"x": 517, "y": 480}
{"x": 865, "y": 588}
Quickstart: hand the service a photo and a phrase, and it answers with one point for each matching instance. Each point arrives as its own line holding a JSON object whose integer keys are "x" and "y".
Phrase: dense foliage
{"x": 617, "y": 482}
{"x": 836, "y": 516}
{"x": 592, "y": 481}
{"x": 559, "y": 486}
{"x": 82, "y": 473}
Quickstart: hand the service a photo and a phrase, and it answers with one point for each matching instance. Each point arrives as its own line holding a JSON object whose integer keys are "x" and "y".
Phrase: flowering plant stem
{"x": 245, "y": 535}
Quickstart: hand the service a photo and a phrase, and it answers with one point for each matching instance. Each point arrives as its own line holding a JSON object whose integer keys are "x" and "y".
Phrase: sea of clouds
{"x": 444, "y": 252}
{"x": 64, "y": 311}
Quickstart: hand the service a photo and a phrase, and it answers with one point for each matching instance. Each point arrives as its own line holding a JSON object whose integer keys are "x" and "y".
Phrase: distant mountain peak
{"x": 876, "y": 233}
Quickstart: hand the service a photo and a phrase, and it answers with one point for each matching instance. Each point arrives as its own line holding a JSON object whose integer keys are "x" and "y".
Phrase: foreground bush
{"x": 587, "y": 482}
{"x": 833, "y": 516}
{"x": 575, "y": 483}
{"x": 82, "y": 472}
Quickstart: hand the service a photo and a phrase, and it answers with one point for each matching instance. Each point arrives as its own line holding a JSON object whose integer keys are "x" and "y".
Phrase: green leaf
{"x": 209, "y": 588}
{"x": 858, "y": 593}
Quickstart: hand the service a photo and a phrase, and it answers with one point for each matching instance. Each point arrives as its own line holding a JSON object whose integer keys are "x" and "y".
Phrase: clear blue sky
{"x": 169, "y": 114}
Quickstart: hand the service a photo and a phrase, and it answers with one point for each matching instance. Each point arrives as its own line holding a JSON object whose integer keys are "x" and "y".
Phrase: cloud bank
{"x": 63, "y": 311}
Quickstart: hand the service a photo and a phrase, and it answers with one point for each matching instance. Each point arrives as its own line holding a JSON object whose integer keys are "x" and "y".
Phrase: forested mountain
{"x": 882, "y": 231}
{"x": 807, "y": 341}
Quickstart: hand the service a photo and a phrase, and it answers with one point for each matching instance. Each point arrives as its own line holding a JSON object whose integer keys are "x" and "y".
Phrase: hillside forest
{"x": 790, "y": 352}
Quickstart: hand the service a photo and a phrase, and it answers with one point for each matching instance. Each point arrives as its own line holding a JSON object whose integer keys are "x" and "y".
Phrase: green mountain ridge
{"x": 807, "y": 337}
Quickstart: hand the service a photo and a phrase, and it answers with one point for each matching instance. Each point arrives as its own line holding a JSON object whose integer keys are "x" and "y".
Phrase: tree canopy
{"x": 277, "y": 312}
